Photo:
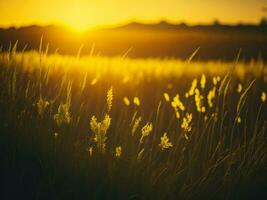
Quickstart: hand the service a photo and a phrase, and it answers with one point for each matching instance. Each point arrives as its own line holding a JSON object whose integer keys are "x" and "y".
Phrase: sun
{"x": 78, "y": 23}
{"x": 79, "y": 26}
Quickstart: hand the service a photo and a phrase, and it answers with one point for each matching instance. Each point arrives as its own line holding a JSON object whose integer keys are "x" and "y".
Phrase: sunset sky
{"x": 82, "y": 14}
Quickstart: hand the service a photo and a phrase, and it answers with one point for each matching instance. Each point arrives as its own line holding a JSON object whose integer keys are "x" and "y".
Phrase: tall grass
{"x": 119, "y": 128}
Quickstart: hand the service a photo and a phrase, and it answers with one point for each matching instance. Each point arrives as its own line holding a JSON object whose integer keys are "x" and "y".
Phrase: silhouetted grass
{"x": 53, "y": 148}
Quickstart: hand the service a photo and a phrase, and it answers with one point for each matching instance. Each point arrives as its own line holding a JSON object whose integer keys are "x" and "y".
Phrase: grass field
{"x": 92, "y": 127}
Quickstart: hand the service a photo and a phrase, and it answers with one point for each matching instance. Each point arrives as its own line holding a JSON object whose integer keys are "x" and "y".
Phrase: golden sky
{"x": 82, "y": 14}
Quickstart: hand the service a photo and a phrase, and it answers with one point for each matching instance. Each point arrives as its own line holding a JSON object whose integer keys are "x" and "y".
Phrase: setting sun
{"x": 78, "y": 24}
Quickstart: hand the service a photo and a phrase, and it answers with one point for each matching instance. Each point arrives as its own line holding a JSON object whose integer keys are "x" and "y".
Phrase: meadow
{"x": 93, "y": 127}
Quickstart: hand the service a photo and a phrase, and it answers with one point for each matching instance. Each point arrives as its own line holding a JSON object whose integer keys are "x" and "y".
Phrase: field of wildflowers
{"x": 117, "y": 128}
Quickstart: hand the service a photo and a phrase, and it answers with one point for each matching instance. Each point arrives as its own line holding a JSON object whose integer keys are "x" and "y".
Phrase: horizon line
{"x": 142, "y": 22}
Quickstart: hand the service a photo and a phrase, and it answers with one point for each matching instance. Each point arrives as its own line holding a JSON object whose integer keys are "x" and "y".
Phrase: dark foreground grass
{"x": 47, "y": 136}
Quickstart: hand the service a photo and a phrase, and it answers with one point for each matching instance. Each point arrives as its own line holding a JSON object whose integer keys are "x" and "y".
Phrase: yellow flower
{"x": 118, "y": 151}
{"x": 100, "y": 131}
{"x": 263, "y": 97}
{"x": 126, "y": 101}
{"x": 164, "y": 142}
{"x": 216, "y": 80}
{"x": 63, "y": 115}
{"x": 109, "y": 98}
{"x": 203, "y": 81}
{"x": 146, "y": 130}
{"x": 191, "y": 92}
{"x": 177, "y": 114}
{"x": 42, "y": 105}
{"x": 166, "y": 96}
{"x": 136, "y": 101}
{"x": 211, "y": 96}
{"x": 177, "y": 105}
{"x": 186, "y": 124}
{"x": 199, "y": 101}
{"x": 239, "y": 88}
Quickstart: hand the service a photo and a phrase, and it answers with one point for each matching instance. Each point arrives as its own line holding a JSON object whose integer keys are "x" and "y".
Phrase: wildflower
{"x": 94, "y": 124}
{"x": 136, "y": 101}
{"x": 166, "y": 96}
{"x": 192, "y": 89}
{"x": 239, "y": 88}
{"x": 63, "y": 115}
{"x": 177, "y": 105}
{"x": 211, "y": 96}
{"x": 42, "y": 105}
{"x": 186, "y": 124}
{"x": 109, "y": 98}
{"x": 146, "y": 130}
{"x": 100, "y": 131}
{"x": 118, "y": 151}
{"x": 177, "y": 114}
{"x": 203, "y": 81}
{"x": 263, "y": 97}
{"x": 164, "y": 142}
{"x": 199, "y": 101}
{"x": 126, "y": 101}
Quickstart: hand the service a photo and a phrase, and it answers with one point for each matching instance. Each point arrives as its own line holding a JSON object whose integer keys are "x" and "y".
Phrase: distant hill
{"x": 164, "y": 25}
{"x": 162, "y": 39}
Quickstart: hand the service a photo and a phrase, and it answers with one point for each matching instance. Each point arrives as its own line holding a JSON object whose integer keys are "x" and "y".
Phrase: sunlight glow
{"x": 76, "y": 17}
{"x": 79, "y": 26}
{"x": 82, "y": 14}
